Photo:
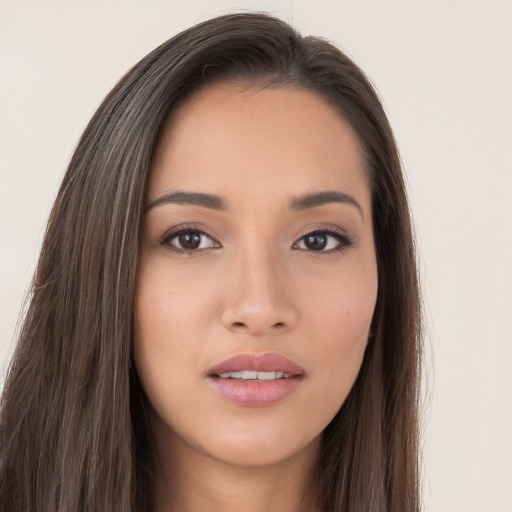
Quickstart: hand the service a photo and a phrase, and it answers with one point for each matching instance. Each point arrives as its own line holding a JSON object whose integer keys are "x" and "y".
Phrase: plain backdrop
{"x": 444, "y": 72}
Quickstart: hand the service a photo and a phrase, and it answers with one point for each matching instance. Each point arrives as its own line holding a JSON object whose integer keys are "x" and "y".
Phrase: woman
{"x": 225, "y": 313}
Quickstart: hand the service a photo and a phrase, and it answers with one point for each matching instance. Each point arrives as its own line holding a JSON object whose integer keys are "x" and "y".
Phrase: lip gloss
{"x": 256, "y": 380}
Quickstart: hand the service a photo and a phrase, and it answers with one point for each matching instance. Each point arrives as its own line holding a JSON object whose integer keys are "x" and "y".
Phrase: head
{"x": 82, "y": 318}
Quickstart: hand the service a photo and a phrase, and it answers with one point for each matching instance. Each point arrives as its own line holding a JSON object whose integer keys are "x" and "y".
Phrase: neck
{"x": 190, "y": 481}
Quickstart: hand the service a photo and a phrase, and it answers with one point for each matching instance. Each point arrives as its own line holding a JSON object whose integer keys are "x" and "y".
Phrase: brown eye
{"x": 323, "y": 241}
{"x": 316, "y": 242}
{"x": 189, "y": 240}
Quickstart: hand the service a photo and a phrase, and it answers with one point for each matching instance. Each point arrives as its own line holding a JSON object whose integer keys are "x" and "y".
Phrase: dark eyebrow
{"x": 216, "y": 203}
{"x": 321, "y": 198}
{"x": 195, "y": 198}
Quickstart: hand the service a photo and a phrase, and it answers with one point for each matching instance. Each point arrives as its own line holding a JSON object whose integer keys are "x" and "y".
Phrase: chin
{"x": 262, "y": 448}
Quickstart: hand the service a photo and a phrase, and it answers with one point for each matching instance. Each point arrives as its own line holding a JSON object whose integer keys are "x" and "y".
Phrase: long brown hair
{"x": 73, "y": 434}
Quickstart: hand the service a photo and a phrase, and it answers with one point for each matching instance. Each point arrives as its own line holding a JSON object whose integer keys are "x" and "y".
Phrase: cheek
{"x": 341, "y": 306}
{"x": 341, "y": 315}
{"x": 167, "y": 330}
{"x": 172, "y": 304}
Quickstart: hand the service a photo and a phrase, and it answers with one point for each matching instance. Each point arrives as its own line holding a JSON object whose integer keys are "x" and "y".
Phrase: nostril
{"x": 278, "y": 325}
{"x": 238, "y": 324}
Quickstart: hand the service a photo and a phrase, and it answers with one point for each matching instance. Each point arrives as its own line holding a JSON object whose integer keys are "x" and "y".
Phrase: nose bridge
{"x": 257, "y": 299}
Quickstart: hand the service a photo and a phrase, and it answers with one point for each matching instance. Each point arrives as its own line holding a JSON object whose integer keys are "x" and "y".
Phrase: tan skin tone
{"x": 251, "y": 281}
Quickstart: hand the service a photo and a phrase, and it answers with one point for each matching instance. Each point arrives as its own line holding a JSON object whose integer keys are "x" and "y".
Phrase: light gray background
{"x": 444, "y": 71}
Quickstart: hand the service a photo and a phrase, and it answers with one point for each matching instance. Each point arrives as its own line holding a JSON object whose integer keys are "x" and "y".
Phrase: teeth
{"x": 252, "y": 375}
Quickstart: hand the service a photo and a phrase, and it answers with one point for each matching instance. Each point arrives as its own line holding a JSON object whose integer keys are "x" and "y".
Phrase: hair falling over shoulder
{"x": 73, "y": 434}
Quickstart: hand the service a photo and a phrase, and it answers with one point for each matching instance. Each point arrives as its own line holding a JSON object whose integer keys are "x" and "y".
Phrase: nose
{"x": 259, "y": 297}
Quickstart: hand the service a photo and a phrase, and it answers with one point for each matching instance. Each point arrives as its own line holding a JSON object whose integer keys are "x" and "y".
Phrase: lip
{"x": 256, "y": 393}
{"x": 267, "y": 362}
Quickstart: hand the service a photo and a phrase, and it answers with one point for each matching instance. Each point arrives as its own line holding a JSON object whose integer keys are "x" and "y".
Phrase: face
{"x": 258, "y": 278}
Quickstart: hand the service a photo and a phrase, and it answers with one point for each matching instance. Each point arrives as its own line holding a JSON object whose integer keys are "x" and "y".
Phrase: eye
{"x": 323, "y": 241}
{"x": 186, "y": 241}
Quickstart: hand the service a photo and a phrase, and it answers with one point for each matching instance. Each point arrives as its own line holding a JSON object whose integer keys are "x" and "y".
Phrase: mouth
{"x": 256, "y": 380}
{"x": 249, "y": 375}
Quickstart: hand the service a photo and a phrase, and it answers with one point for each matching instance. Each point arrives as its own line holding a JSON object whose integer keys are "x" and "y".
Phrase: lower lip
{"x": 255, "y": 393}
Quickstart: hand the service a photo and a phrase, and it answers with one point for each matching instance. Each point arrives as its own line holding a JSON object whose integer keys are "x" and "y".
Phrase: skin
{"x": 253, "y": 286}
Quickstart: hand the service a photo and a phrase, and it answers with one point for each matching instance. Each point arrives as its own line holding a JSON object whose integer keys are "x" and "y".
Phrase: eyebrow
{"x": 213, "y": 202}
{"x": 320, "y": 198}
{"x": 194, "y": 198}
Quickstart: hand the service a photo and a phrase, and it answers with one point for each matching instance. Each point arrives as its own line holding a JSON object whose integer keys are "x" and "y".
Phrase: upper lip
{"x": 268, "y": 362}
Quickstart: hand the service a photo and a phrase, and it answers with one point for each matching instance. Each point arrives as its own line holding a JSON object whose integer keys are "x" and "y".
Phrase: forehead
{"x": 225, "y": 139}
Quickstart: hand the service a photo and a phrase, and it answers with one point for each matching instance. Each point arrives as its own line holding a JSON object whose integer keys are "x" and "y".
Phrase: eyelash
{"x": 344, "y": 242}
{"x": 170, "y": 236}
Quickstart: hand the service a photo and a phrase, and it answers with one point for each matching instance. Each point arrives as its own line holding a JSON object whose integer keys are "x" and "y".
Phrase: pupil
{"x": 190, "y": 240}
{"x": 316, "y": 242}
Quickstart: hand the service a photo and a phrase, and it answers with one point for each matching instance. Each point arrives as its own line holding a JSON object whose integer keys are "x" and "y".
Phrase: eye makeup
{"x": 324, "y": 241}
{"x": 187, "y": 240}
